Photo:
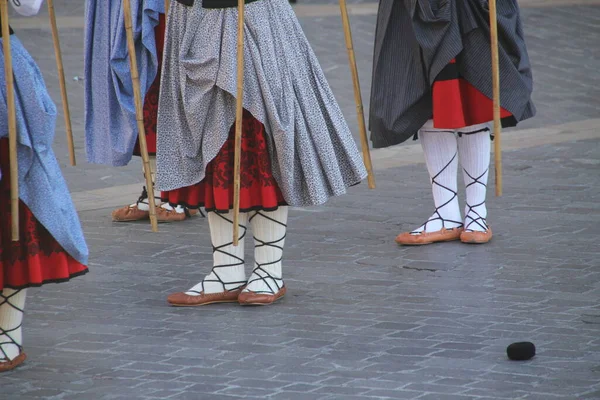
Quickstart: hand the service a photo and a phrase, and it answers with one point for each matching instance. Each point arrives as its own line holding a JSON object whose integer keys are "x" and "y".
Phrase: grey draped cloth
{"x": 416, "y": 39}
{"x": 313, "y": 155}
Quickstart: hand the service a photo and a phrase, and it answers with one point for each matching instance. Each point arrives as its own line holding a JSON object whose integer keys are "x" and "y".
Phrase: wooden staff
{"x": 61, "y": 78}
{"x": 238, "y": 123}
{"x": 167, "y": 6}
{"x": 357, "y": 95}
{"x": 496, "y": 95}
{"x": 139, "y": 111}
{"x": 12, "y": 123}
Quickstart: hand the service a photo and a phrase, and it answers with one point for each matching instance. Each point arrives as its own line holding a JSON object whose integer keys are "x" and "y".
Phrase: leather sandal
{"x": 164, "y": 215}
{"x": 260, "y": 299}
{"x": 476, "y": 237}
{"x": 443, "y": 235}
{"x": 14, "y": 363}
{"x": 181, "y": 299}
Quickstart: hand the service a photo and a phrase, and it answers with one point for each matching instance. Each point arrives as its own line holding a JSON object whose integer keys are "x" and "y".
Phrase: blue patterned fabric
{"x": 110, "y": 125}
{"x": 41, "y": 184}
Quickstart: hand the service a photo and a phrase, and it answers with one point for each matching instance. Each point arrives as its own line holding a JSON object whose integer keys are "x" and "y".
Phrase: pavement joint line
{"x": 402, "y": 155}
{"x": 302, "y": 11}
{"x": 391, "y": 157}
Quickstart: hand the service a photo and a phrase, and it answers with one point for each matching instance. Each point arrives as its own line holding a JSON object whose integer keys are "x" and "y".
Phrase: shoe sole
{"x": 426, "y": 243}
{"x": 11, "y": 365}
{"x": 263, "y": 304}
{"x": 203, "y": 304}
{"x": 475, "y": 241}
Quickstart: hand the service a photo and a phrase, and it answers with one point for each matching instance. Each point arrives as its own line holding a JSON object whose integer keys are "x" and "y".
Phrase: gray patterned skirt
{"x": 313, "y": 155}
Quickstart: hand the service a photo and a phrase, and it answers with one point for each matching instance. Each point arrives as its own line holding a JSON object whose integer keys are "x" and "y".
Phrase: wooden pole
{"x": 496, "y": 95}
{"x": 61, "y": 78}
{"x": 139, "y": 112}
{"x": 12, "y": 123}
{"x": 167, "y": 6}
{"x": 238, "y": 123}
{"x": 357, "y": 95}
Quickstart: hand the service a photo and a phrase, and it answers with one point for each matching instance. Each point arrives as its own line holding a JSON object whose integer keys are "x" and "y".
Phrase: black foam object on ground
{"x": 521, "y": 351}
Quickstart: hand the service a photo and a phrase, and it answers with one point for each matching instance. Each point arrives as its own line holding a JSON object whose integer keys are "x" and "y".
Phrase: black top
{"x": 215, "y": 3}
{"x": 11, "y": 31}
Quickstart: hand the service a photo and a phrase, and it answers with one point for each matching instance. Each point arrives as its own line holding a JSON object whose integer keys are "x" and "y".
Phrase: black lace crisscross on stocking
{"x": 469, "y": 219}
{"x": 436, "y": 215}
{"x": 5, "y": 300}
{"x": 215, "y": 269}
{"x": 260, "y": 273}
{"x": 144, "y": 196}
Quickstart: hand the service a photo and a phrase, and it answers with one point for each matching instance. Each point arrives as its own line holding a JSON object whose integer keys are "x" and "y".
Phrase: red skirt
{"x": 36, "y": 258}
{"x": 258, "y": 188}
{"x": 457, "y": 103}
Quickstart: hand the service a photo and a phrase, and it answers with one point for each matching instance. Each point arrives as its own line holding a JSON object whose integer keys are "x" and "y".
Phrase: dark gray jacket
{"x": 416, "y": 39}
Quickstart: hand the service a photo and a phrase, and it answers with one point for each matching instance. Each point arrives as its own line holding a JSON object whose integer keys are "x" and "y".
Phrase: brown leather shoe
{"x": 443, "y": 235}
{"x": 129, "y": 213}
{"x": 185, "y": 300}
{"x": 164, "y": 215}
{"x": 192, "y": 211}
{"x": 475, "y": 237}
{"x": 260, "y": 299}
{"x": 14, "y": 363}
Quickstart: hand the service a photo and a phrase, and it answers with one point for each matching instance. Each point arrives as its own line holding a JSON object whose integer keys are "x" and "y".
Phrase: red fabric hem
{"x": 258, "y": 190}
{"x": 458, "y": 104}
{"x": 37, "y": 257}
{"x": 45, "y": 282}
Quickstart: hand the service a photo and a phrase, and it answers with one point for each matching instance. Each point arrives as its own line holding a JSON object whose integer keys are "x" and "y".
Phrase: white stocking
{"x": 177, "y": 209}
{"x": 440, "y": 149}
{"x": 474, "y": 152}
{"x": 269, "y": 229}
{"x": 12, "y": 306}
{"x": 143, "y": 202}
{"x": 228, "y": 260}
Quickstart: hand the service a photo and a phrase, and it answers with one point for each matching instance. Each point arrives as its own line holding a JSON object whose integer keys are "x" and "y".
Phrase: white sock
{"x": 142, "y": 203}
{"x": 228, "y": 260}
{"x": 12, "y": 306}
{"x": 474, "y": 151}
{"x": 178, "y": 209}
{"x": 440, "y": 149}
{"x": 269, "y": 229}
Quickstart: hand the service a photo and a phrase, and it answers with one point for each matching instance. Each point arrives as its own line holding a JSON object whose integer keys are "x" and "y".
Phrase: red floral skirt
{"x": 36, "y": 258}
{"x": 258, "y": 188}
{"x": 457, "y": 103}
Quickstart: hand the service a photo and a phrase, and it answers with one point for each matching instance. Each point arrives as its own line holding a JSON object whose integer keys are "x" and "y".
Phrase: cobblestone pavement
{"x": 363, "y": 319}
